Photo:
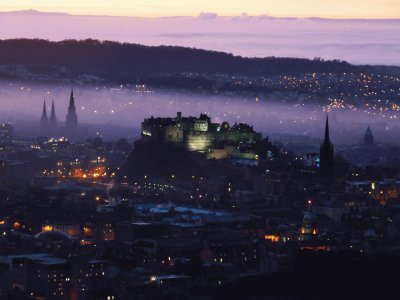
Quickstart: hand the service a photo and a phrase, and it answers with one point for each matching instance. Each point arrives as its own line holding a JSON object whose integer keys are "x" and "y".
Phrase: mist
{"x": 356, "y": 41}
{"x": 117, "y": 111}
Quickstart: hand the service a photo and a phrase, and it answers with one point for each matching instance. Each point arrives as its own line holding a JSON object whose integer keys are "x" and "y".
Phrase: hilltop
{"x": 122, "y": 62}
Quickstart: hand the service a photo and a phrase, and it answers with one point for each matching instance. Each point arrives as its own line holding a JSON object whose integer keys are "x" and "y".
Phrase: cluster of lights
{"x": 155, "y": 186}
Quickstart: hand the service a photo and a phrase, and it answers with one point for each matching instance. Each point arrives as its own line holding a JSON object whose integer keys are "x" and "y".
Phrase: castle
{"x": 198, "y": 134}
{"x": 48, "y": 125}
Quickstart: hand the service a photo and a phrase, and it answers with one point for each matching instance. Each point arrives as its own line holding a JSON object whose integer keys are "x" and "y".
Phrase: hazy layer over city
{"x": 360, "y": 41}
{"x": 120, "y": 110}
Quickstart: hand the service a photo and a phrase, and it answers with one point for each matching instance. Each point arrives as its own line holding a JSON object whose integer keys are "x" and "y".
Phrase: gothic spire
{"x": 44, "y": 111}
{"x": 326, "y": 153}
{"x": 72, "y": 100}
{"x": 53, "y": 112}
{"x": 368, "y": 137}
{"x": 44, "y": 120}
{"x": 72, "y": 118}
{"x": 53, "y": 118}
{"x": 327, "y": 140}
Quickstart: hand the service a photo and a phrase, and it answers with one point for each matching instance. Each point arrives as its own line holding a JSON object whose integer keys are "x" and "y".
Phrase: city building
{"x": 6, "y": 134}
{"x": 309, "y": 224}
{"x": 38, "y": 275}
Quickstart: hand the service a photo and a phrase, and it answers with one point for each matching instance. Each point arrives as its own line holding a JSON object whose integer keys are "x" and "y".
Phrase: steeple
{"x": 71, "y": 121}
{"x": 53, "y": 119}
{"x": 326, "y": 153}
{"x": 44, "y": 120}
{"x": 326, "y": 137}
{"x": 71, "y": 100}
{"x": 368, "y": 138}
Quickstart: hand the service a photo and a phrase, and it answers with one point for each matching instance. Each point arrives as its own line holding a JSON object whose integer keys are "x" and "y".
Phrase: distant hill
{"x": 92, "y": 61}
{"x": 116, "y": 62}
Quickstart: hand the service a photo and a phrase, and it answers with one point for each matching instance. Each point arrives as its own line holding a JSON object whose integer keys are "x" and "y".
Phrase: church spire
{"x": 71, "y": 121}
{"x": 327, "y": 140}
{"x": 44, "y": 110}
{"x": 368, "y": 137}
{"x": 326, "y": 153}
{"x": 44, "y": 120}
{"x": 71, "y": 100}
{"x": 53, "y": 118}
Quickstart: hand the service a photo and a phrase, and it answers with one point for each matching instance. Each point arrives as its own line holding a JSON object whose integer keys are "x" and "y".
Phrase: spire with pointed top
{"x": 53, "y": 118}
{"x": 326, "y": 152}
{"x": 71, "y": 100}
{"x": 44, "y": 120}
{"x": 72, "y": 119}
{"x": 327, "y": 140}
{"x": 368, "y": 137}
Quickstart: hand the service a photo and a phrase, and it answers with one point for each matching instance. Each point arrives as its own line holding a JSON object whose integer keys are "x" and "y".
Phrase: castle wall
{"x": 199, "y": 141}
{"x": 235, "y": 137}
{"x": 174, "y": 134}
{"x": 220, "y": 153}
{"x": 201, "y": 125}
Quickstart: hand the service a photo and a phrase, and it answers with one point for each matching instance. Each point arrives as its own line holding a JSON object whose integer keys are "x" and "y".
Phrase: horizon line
{"x": 212, "y": 14}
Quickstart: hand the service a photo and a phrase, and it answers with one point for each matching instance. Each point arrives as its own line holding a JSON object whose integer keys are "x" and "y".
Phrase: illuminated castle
{"x": 197, "y": 134}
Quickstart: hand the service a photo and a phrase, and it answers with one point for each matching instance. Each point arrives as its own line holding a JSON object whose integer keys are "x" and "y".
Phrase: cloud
{"x": 207, "y": 16}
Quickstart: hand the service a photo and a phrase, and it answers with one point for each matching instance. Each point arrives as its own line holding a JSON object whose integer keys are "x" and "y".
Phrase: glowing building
{"x": 197, "y": 134}
{"x": 309, "y": 225}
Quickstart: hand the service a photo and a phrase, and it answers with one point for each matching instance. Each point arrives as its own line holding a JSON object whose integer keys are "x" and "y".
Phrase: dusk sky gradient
{"x": 375, "y": 9}
{"x": 359, "y": 31}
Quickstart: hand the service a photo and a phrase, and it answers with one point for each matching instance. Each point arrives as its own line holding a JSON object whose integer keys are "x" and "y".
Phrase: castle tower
{"x": 71, "y": 121}
{"x": 368, "y": 138}
{"x": 44, "y": 120}
{"x": 53, "y": 119}
{"x": 326, "y": 152}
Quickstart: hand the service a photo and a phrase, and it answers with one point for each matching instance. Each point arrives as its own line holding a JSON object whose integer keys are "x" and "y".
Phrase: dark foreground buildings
{"x": 225, "y": 220}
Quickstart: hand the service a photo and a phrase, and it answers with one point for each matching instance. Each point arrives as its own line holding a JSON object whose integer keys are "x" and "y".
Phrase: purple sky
{"x": 356, "y": 41}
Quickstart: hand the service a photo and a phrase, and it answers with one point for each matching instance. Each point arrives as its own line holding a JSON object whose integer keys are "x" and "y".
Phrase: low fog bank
{"x": 116, "y": 111}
